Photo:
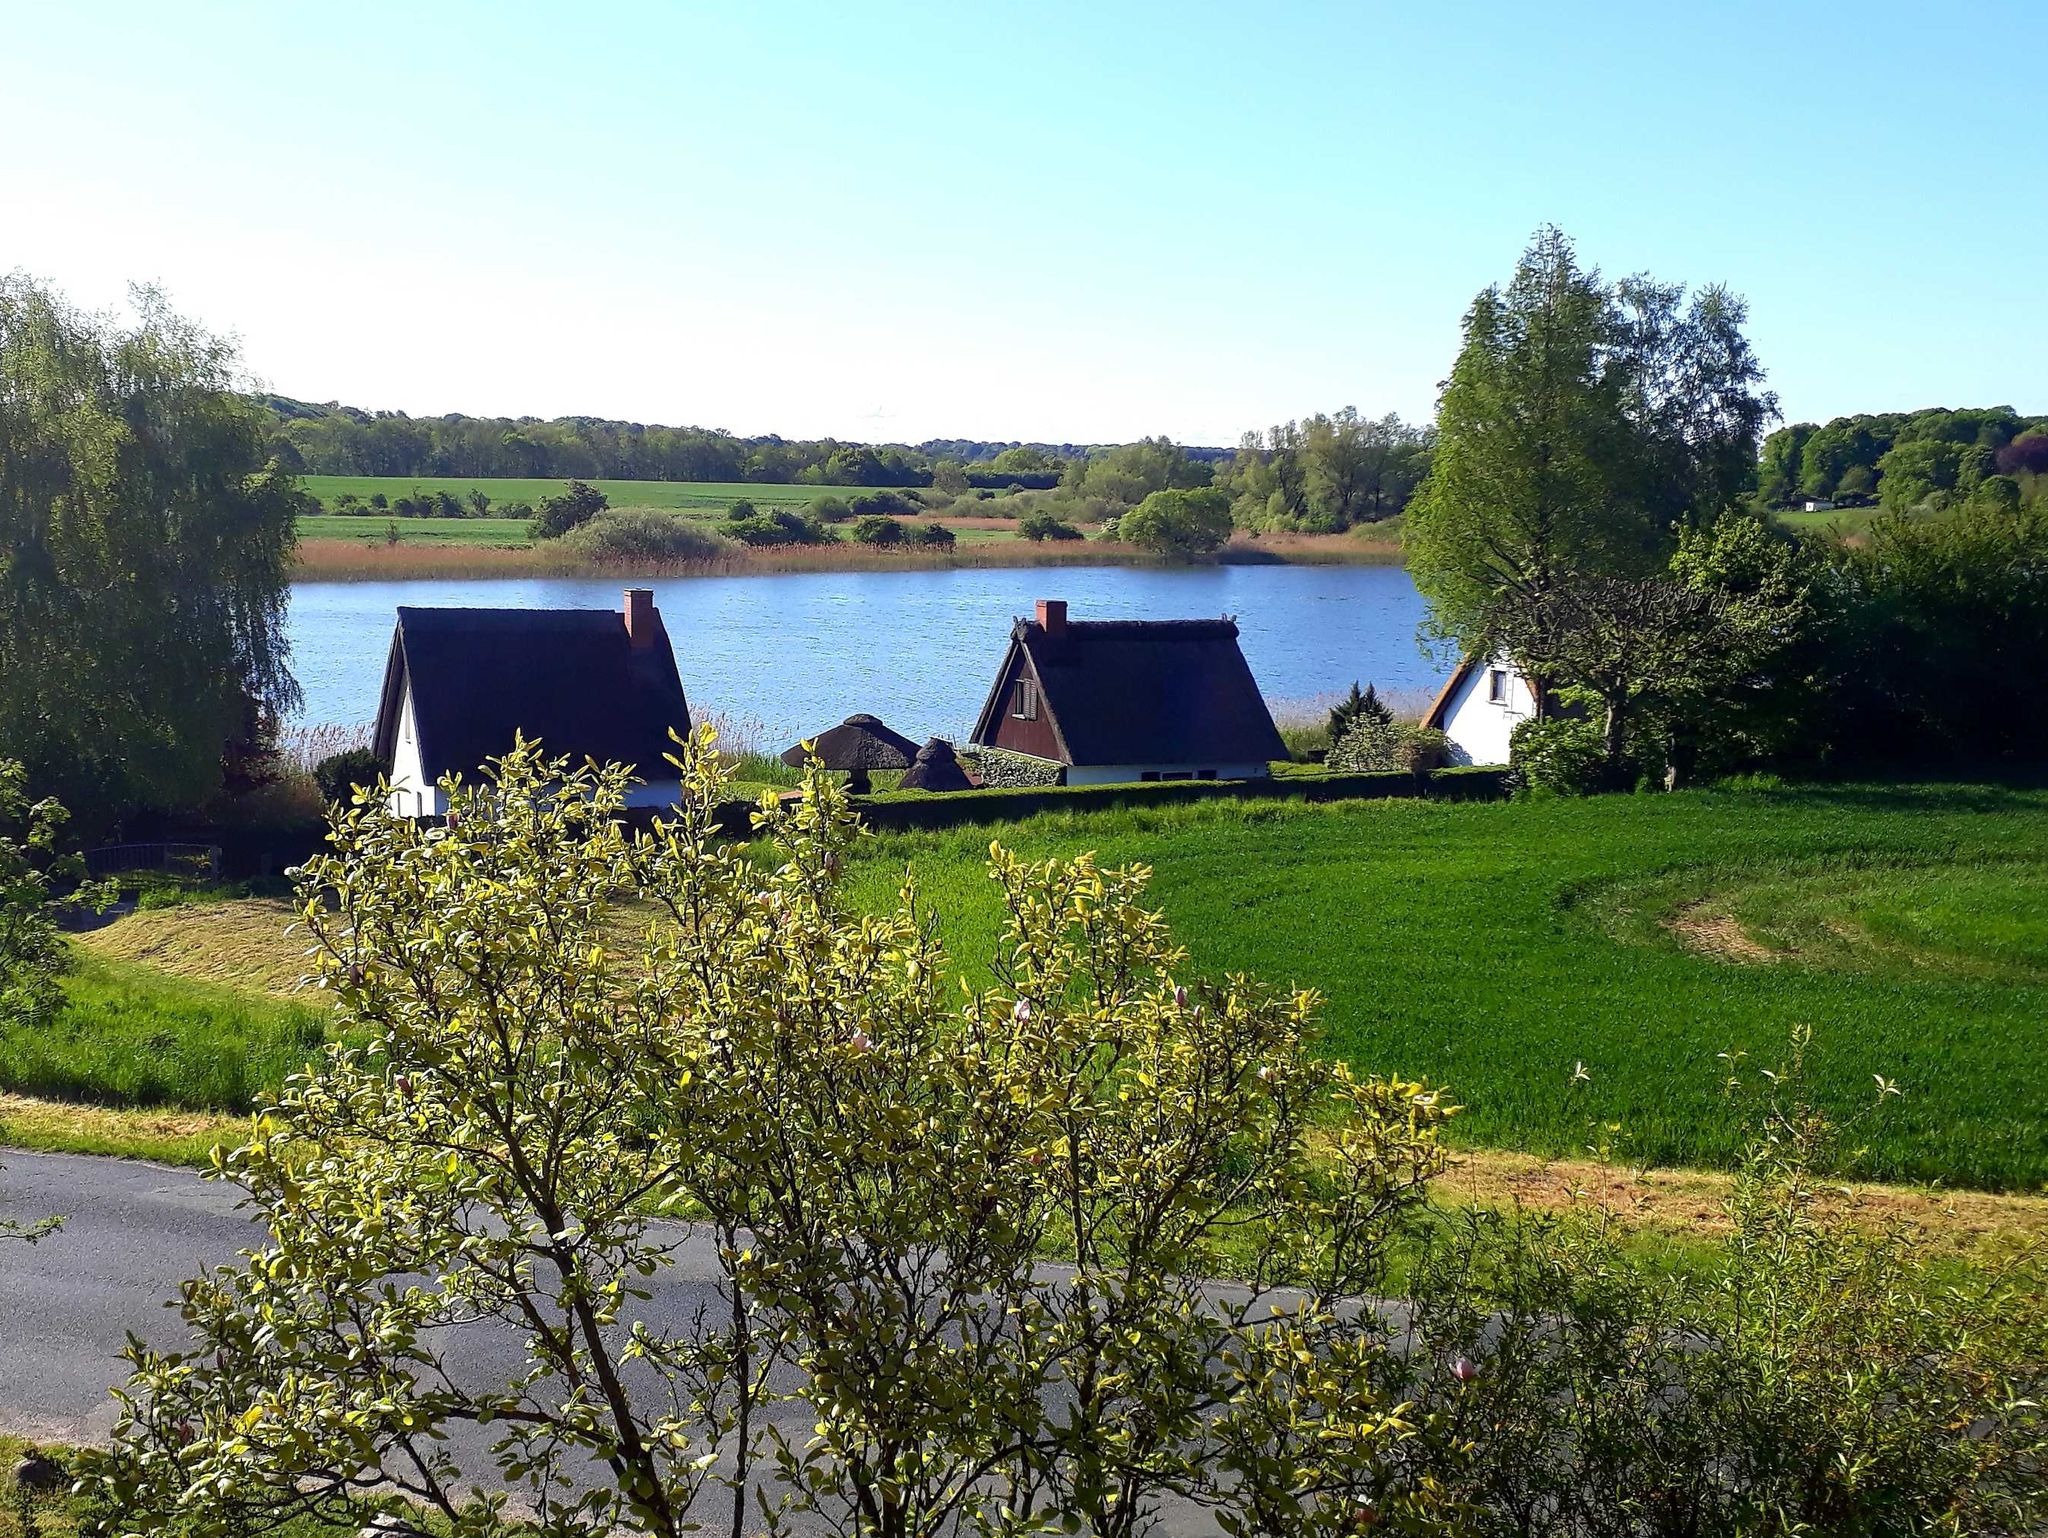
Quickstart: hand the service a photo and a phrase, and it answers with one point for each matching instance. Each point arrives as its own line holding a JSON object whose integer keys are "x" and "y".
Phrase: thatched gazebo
{"x": 856, "y": 745}
{"x": 935, "y": 768}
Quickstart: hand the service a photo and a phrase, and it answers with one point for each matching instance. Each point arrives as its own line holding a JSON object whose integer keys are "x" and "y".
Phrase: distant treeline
{"x": 1901, "y": 458}
{"x": 344, "y": 440}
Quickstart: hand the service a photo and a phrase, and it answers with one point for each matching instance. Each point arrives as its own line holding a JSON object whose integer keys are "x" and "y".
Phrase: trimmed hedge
{"x": 247, "y": 852}
{"x": 899, "y": 810}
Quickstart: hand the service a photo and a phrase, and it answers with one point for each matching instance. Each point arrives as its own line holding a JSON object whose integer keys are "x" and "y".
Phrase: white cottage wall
{"x": 1478, "y": 725}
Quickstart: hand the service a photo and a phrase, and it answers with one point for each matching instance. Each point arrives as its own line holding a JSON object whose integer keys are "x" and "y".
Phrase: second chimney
{"x": 642, "y": 624}
{"x": 1052, "y": 616}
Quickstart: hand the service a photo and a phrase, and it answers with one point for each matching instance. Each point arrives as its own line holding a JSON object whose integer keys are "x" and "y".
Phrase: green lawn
{"x": 1496, "y": 947}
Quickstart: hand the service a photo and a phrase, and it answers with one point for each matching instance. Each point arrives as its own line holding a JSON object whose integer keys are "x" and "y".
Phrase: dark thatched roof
{"x": 569, "y": 677}
{"x": 858, "y": 742}
{"x": 936, "y": 768}
{"x": 1141, "y": 692}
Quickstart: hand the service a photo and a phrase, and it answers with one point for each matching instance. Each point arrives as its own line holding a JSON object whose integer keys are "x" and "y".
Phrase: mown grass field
{"x": 1501, "y": 948}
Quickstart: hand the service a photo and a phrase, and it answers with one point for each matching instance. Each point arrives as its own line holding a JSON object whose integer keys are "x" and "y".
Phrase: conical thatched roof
{"x": 860, "y": 742}
{"x": 936, "y": 768}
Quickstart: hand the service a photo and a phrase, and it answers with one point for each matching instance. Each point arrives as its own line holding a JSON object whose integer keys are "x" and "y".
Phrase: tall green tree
{"x": 1583, "y": 426}
{"x": 145, "y": 541}
{"x": 1531, "y": 441}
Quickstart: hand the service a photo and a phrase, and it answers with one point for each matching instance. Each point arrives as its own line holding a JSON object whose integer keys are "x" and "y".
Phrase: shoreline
{"x": 339, "y": 560}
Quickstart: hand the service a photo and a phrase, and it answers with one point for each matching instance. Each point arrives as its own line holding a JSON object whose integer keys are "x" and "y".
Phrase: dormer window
{"x": 1497, "y": 686}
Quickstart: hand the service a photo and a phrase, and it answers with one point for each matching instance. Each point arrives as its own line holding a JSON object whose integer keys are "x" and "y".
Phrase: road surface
{"x": 133, "y": 1231}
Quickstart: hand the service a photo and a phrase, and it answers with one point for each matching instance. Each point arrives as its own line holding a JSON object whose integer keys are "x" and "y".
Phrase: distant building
{"x": 1817, "y": 505}
{"x": 1479, "y": 708}
{"x": 587, "y": 683}
{"x": 1109, "y": 701}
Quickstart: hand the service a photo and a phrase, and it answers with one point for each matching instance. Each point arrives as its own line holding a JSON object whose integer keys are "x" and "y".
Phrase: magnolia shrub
{"x": 956, "y": 1231}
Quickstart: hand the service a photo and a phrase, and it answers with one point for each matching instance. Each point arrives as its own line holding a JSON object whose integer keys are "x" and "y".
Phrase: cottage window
{"x": 1026, "y": 700}
{"x": 1497, "y": 686}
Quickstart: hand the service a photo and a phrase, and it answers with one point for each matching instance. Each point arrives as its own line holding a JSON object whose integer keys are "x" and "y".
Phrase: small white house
{"x": 1817, "y": 505}
{"x": 462, "y": 684}
{"x": 1479, "y": 709}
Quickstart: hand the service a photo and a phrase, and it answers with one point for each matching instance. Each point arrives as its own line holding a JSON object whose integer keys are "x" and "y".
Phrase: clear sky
{"x": 1049, "y": 221}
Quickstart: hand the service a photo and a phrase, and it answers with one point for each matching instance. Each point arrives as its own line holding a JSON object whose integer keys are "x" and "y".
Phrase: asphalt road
{"x": 133, "y": 1231}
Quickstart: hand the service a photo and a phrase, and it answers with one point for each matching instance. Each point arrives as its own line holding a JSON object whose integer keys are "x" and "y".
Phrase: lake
{"x": 783, "y": 656}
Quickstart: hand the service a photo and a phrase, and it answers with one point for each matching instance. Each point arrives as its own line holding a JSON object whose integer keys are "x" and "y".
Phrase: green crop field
{"x": 710, "y": 498}
{"x": 707, "y": 501}
{"x": 458, "y": 532}
{"x": 1572, "y": 970}
{"x": 1502, "y": 948}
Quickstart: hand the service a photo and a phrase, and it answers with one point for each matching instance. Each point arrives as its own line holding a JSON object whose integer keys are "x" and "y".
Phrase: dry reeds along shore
{"x": 356, "y": 560}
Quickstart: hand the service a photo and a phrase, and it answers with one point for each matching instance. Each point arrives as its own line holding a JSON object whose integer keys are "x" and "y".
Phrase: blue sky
{"x": 1065, "y": 222}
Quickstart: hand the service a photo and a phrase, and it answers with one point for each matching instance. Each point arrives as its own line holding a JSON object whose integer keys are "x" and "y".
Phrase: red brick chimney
{"x": 642, "y": 623}
{"x": 1052, "y": 616}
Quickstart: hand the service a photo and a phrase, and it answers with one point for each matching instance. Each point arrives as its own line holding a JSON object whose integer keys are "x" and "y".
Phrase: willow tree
{"x": 144, "y": 547}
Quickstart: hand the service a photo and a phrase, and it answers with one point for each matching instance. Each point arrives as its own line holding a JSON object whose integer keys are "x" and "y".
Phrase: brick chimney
{"x": 642, "y": 623}
{"x": 1052, "y": 616}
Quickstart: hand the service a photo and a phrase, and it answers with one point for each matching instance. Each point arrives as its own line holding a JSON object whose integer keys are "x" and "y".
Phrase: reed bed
{"x": 304, "y": 747}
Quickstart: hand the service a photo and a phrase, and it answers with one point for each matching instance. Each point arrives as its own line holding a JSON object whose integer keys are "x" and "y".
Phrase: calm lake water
{"x": 788, "y": 655}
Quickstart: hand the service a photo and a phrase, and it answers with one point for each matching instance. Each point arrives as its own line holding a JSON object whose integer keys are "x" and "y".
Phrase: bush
{"x": 1377, "y": 745}
{"x": 1181, "y": 523}
{"x": 776, "y": 526}
{"x": 1043, "y": 526}
{"x": 879, "y": 504}
{"x": 1559, "y": 757}
{"x": 1827, "y": 1380}
{"x": 784, "y": 1068}
{"x": 32, "y": 954}
{"x": 873, "y": 530}
{"x": 828, "y": 510}
{"x": 570, "y": 510}
{"x": 933, "y": 534}
{"x": 339, "y": 773}
{"x": 640, "y": 536}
